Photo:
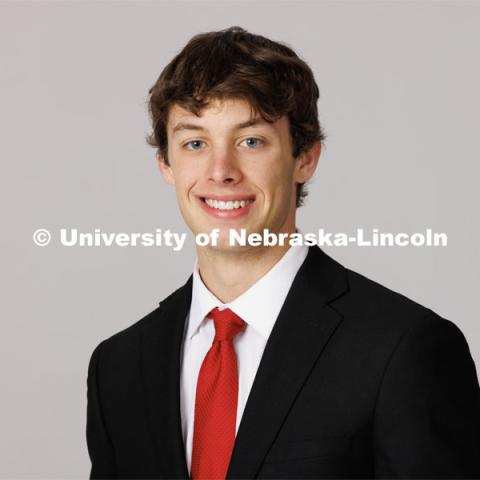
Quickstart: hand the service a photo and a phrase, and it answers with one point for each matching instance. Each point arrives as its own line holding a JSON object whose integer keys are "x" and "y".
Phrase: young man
{"x": 270, "y": 362}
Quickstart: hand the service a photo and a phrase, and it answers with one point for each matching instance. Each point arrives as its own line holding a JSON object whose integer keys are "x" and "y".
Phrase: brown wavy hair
{"x": 234, "y": 63}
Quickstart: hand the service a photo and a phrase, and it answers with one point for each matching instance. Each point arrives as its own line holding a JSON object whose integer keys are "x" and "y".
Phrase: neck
{"x": 227, "y": 274}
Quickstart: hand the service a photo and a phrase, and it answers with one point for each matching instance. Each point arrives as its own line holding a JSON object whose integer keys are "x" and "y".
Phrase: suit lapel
{"x": 301, "y": 331}
{"x": 162, "y": 341}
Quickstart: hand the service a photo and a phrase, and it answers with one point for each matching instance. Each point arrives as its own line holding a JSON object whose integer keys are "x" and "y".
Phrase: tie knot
{"x": 227, "y": 324}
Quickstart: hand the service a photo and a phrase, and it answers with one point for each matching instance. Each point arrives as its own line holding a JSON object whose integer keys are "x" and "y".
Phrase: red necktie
{"x": 216, "y": 400}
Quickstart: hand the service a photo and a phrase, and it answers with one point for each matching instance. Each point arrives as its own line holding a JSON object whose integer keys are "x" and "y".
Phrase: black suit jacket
{"x": 356, "y": 381}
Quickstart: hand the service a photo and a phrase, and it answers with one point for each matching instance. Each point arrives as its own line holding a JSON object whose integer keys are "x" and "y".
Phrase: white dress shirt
{"x": 259, "y": 307}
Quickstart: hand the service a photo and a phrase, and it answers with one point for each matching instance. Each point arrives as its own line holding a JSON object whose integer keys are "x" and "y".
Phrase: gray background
{"x": 399, "y": 102}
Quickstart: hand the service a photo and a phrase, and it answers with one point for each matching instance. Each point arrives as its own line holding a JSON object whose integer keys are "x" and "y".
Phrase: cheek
{"x": 276, "y": 178}
{"x": 185, "y": 177}
{"x": 184, "y": 186}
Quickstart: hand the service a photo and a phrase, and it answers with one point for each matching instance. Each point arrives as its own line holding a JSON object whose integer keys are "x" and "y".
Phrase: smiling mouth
{"x": 226, "y": 204}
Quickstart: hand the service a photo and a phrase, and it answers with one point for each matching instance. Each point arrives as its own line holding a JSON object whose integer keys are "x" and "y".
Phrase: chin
{"x": 225, "y": 247}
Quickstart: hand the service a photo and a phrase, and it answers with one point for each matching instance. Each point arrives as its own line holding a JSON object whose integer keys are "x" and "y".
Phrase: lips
{"x": 226, "y": 198}
{"x": 227, "y": 206}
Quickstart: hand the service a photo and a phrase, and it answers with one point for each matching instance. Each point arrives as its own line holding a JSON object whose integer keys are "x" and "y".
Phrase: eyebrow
{"x": 192, "y": 126}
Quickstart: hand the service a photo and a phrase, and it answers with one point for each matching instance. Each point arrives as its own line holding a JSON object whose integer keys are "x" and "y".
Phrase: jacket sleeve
{"x": 100, "y": 447}
{"x": 427, "y": 417}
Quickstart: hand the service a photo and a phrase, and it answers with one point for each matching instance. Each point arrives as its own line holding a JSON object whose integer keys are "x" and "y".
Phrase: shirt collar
{"x": 260, "y": 305}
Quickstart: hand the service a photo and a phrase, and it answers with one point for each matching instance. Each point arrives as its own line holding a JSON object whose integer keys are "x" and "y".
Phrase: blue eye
{"x": 195, "y": 144}
{"x": 253, "y": 142}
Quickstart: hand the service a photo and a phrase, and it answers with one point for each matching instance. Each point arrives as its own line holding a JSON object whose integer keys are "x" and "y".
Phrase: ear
{"x": 306, "y": 163}
{"x": 165, "y": 170}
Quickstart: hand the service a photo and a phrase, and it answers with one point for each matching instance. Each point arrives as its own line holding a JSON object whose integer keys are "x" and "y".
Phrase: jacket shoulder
{"x": 383, "y": 319}
{"x": 129, "y": 336}
{"x": 377, "y": 303}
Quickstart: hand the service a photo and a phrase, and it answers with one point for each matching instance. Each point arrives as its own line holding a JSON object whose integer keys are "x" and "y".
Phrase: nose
{"x": 223, "y": 167}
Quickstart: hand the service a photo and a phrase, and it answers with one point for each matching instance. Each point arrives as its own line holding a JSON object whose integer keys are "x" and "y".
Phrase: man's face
{"x": 233, "y": 171}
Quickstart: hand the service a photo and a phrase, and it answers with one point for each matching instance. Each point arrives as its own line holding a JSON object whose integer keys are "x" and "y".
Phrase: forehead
{"x": 225, "y": 114}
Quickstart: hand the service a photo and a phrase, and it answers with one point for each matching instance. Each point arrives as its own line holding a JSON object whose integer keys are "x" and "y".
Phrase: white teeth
{"x": 230, "y": 205}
